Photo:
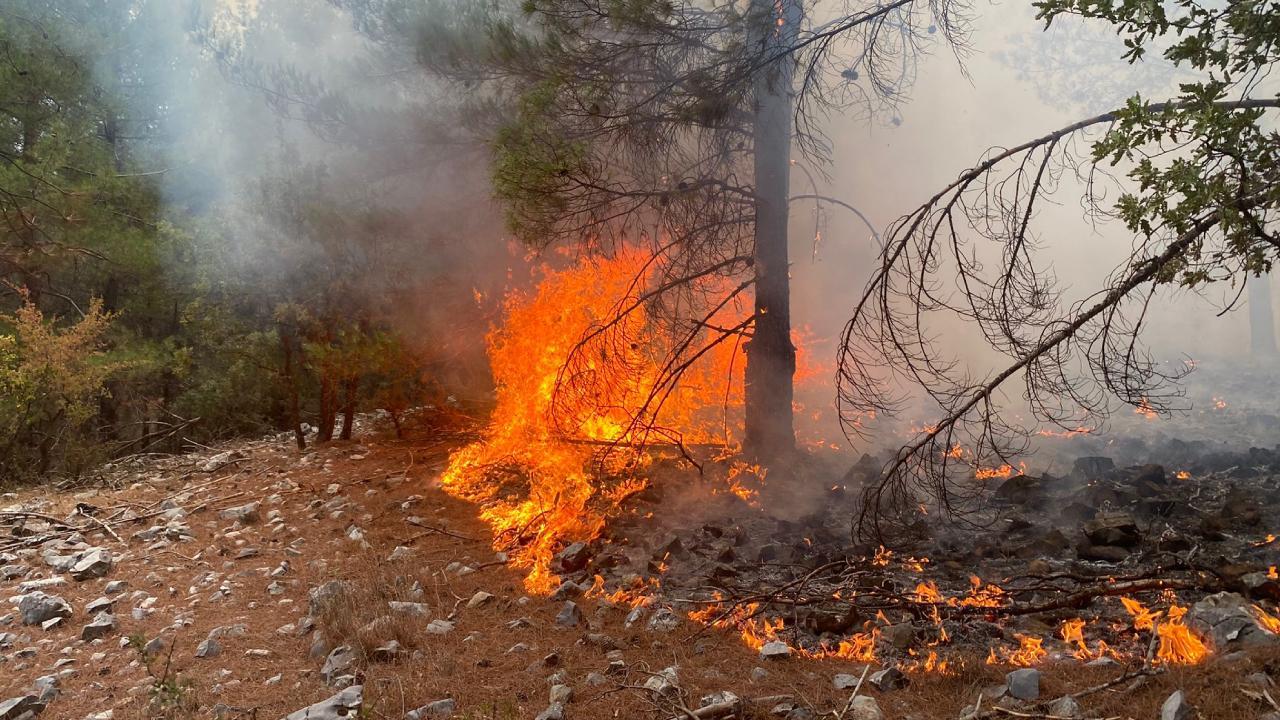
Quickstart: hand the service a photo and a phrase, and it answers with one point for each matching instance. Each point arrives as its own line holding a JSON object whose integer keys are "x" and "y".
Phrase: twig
{"x": 849, "y": 705}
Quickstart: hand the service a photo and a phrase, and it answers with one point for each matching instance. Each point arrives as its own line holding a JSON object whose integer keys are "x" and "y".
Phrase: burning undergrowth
{"x": 592, "y": 385}
{"x": 603, "y": 475}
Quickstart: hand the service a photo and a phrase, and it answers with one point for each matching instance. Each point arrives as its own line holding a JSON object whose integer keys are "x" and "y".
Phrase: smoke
{"x": 311, "y": 156}
{"x": 1019, "y": 83}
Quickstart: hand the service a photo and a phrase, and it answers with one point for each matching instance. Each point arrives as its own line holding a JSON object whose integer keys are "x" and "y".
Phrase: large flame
{"x": 574, "y": 376}
{"x": 586, "y": 375}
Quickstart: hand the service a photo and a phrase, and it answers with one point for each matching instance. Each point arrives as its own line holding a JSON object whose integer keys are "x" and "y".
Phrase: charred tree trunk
{"x": 287, "y": 344}
{"x": 1262, "y": 329}
{"x": 771, "y": 358}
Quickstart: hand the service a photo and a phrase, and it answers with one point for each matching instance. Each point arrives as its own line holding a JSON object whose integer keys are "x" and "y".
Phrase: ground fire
{"x": 562, "y": 468}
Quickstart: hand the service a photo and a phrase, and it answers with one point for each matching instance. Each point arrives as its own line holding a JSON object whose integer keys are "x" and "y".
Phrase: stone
{"x": 386, "y": 652}
{"x": 340, "y": 660}
{"x": 1226, "y": 623}
{"x": 901, "y": 635}
{"x": 723, "y": 697}
{"x": 440, "y": 627}
{"x": 555, "y": 711}
{"x": 663, "y": 683}
{"x": 888, "y": 679}
{"x": 1024, "y": 683}
{"x": 1261, "y": 586}
{"x": 1176, "y": 707}
{"x": 570, "y": 615}
{"x": 573, "y": 558}
{"x": 208, "y": 648}
{"x": 47, "y": 686}
{"x": 1066, "y": 707}
{"x": 1116, "y": 529}
{"x": 1092, "y": 468}
{"x": 664, "y": 620}
{"x": 864, "y": 707}
{"x": 36, "y": 608}
{"x": 346, "y": 705}
{"x": 480, "y": 598}
{"x": 775, "y": 650}
{"x": 325, "y": 596}
{"x": 154, "y": 647}
{"x": 241, "y": 514}
{"x": 437, "y": 709}
{"x": 562, "y": 694}
{"x": 844, "y": 681}
{"x": 18, "y": 708}
{"x": 92, "y": 563}
{"x": 416, "y": 609}
{"x": 102, "y": 625}
{"x": 1020, "y": 490}
{"x": 102, "y": 604}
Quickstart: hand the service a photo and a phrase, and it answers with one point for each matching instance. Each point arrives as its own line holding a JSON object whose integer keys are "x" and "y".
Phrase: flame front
{"x": 574, "y": 375}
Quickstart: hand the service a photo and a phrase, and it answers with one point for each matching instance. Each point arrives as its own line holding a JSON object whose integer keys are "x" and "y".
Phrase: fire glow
{"x": 583, "y": 385}
{"x": 546, "y": 441}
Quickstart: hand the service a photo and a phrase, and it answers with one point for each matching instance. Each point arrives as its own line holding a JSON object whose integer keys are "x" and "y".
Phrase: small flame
{"x": 1030, "y": 651}
{"x": 1178, "y": 645}
{"x": 1145, "y": 410}
{"x": 1266, "y": 620}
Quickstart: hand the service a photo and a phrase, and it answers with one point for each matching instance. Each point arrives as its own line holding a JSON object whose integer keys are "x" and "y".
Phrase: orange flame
{"x": 1145, "y": 410}
{"x": 1266, "y": 620}
{"x": 534, "y": 472}
{"x": 1178, "y": 645}
{"x": 1030, "y": 651}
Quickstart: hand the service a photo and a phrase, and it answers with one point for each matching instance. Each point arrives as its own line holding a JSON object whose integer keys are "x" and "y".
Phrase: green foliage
{"x": 180, "y": 323}
{"x": 534, "y": 166}
{"x": 171, "y": 696}
{"x": 50, "y": 381}
{"x": 1208, "y": 154}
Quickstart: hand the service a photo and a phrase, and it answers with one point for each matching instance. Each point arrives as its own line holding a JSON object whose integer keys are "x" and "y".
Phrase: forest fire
{"x": 572, "y": 438}
{"x": 584, "y": 388}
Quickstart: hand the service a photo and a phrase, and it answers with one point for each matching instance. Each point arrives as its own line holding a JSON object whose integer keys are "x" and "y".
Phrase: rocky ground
{"x": 256, "y": 581}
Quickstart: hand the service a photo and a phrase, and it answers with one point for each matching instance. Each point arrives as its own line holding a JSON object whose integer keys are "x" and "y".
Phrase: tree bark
{"x": 1262, "y": 329}
{"x": 350, "y": 387}
{"x": 771, "y": 358}
{"x": 291, "y": 385}
{"x": 328, "y": 407}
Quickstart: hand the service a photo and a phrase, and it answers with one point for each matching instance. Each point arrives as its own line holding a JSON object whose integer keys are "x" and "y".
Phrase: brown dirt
{"x": 471, "y": 664}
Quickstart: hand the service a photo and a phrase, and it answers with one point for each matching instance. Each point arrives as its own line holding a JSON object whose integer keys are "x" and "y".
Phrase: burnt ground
{"x": 191, "y": 564}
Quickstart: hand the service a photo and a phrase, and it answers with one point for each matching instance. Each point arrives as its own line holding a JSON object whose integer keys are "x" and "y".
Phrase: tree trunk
{"x": 349, "y": 407}
{"x": 1262, "y": 329}
{"x": 328, "y": 408}
{"x": 771, "y": 358}
{"x": 291, "y": 386}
